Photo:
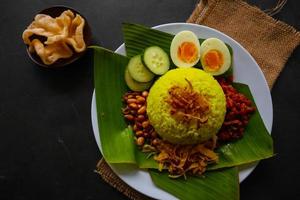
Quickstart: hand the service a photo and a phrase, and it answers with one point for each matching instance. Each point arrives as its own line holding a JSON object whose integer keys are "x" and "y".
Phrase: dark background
{"x": 47, "y": 148}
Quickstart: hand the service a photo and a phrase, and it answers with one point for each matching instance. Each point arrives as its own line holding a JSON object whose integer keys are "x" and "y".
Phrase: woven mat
{"x": 269, "y": 41}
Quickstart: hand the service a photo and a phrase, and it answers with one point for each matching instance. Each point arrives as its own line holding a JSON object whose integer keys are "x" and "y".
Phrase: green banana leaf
{"x": 138, "y": 37}
{"x": 256, "y": 144}
{"x": 215, "y": 185}
{"x": 117, "y": 138}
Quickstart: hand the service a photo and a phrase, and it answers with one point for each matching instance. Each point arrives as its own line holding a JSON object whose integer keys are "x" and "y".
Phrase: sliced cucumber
{"x": 134, "y": 85}
{"x": 138, "y": 71}
{"x": 157, "y": 60}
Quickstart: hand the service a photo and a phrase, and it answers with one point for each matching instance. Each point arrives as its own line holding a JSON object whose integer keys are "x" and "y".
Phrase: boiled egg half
{"x": 215, "y": 56}
{"x": 185, "y": 49}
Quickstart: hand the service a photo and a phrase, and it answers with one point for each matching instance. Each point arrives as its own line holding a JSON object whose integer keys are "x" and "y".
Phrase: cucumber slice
{"x": 134, "y": 85}
{"x": 138, "y": 71}
{"x": 157, "y": 60}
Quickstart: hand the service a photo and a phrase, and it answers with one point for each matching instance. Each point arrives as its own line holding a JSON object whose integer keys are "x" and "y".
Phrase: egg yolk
{"x": 187, "y": 52}
{"x": 213, "y": 60}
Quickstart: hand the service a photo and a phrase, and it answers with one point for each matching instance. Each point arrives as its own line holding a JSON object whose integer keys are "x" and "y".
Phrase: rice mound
{"x": 178, "y": 132}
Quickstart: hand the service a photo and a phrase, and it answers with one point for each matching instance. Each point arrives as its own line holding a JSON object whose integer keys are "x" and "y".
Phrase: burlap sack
{"x": 269, "y": 41}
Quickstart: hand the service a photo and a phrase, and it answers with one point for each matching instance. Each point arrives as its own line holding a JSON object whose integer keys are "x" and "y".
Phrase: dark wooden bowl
{"x": 55, "y": 11}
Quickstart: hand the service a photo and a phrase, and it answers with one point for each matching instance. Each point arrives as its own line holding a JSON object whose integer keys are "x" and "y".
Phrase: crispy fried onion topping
{"x": 187, "y": 105}
{"x": 182, "y": 159}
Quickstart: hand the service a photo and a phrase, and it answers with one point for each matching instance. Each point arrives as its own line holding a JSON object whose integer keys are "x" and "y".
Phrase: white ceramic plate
{"x": 246, "y": 71}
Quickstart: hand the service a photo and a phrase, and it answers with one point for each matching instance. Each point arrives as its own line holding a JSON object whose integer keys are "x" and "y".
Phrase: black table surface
{"x": 47, "y": 147}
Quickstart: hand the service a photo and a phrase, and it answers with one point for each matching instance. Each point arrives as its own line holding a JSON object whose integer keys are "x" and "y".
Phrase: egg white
{"x": 215, "y": 44}
{"x": 181, "y": 37}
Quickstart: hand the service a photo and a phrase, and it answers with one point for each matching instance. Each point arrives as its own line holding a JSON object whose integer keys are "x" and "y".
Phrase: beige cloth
{"x": 269, "y": 41}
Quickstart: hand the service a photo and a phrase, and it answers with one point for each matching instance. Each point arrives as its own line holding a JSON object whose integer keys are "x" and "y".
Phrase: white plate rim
{"x": 267, "y": 118}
